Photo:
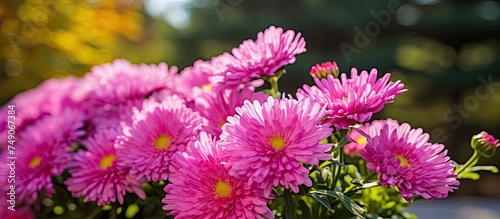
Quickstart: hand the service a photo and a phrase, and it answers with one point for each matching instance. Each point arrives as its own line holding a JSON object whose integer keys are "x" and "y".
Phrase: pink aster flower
{"x": 112, "y": 116}
{"x": 158, "y": 131}
{"x": 201, "y": 186}
{"x": 355, "y": 99}
{"x": 485, "y": 144}
{"x": 324, "y": 69}
{"x": 404, "y": 158}
{"x": 202, "y": 76}
{"x": 121, "y": 81}
{"x": 51, "y": 97}
{"x": 42, "y": 151}
{"x": 272, "y": 50}
{"x": 216, "y": 106}
{"x": 96, "y": 174}
{"x": 269, "y": 142}
{"x": 358, "y": 141}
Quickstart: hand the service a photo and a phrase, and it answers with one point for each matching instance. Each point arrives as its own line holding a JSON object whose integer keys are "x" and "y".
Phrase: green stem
{"x": 273, "y": 80}
{"x": 353, "y": 186}
{"x": 289, "y": 205}
{"x": 338, "y": 168}
{"x": 274, "y": 87}
{"x": 471, "y": 162}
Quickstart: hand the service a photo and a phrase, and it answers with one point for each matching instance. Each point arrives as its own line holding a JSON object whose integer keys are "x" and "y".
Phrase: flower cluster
{"x": 213, "y": 143}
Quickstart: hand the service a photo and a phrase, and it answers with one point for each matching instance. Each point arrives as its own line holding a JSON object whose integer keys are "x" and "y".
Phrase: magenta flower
{"x": 485, "y": 144}
{"x": 112, "y": 116}
{"x": 201, "y": 186}
{"x": 120, "y": 81}
{"x": 272, "y": 50}
{"x": 352, "y": 100}
{"x": 158, "y": 131}
{"x": 200, "y": 77}
{"x": 216, "y": 106}
{"x": 324, "y": 69}
{"x": 96, "y": 174}
{"x": 269, "y": 142}
{"x": 43, "y": 151}
{"x": 404, "y": 158}
{"x": 51, "y": 97}
{"x": 358, "y": 141}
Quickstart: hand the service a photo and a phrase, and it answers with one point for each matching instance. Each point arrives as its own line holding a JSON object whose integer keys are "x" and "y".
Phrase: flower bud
{"x": 324, "y": 69}
{"x": 485, "y": 144}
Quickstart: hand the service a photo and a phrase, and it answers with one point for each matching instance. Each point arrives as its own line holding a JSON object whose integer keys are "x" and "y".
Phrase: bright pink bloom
{"x": 158, "y": 131}
{"x": 272, "y": 50}
{"x": 121, "y": 81}
{"x": 201, "y": 186}
{"x": 96, "y": 174}
{"x": 485, "y": 144}
{"x": 355, "y": 99}
{"x": 324, "y": 69}
{"x": 51, "y": 97}
{"x": 216, "y": 106}
{"x": 112, "y": 116}
{"x": 269, "y": 142}
{"x": 43, "y": 151}
{"x": 404, "y": 158}
{"x": 358, "y": 141}
{"x": 200, "y": 77}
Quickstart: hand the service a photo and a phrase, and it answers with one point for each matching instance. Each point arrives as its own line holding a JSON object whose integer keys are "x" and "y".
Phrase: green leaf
{"x": 343, "y": 142}
{"x": 348, "y": 203}
{"x": 322, "y": 199}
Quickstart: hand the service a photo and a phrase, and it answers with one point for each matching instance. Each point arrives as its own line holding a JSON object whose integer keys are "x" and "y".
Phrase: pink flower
{"x": 270, "y": 142}
{"x": 485, "y": 144}
{"x": 51, "y": 97}
{"x": 216, "y": 106}
{"x": 96, "y": 174}
{"x": 404, "y": 158}
{"x": 202, "y": 76}
{"x": 352, "y": 100}
{"x": 358, "y": 141}
{"x": 42, "y": 151}
{"x": 272, "y": 50}
{"x": 158, "y": 131}
{"x": 120, "y": 81}
{"x": 110, "y": 116}
{"x": 324, "y": 69}
{"x": 201, "y": 186}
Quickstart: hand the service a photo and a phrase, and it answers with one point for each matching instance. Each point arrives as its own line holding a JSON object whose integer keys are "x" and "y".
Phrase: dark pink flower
{"x": 404, "y": 158}
{"x": 201, "y": 186}
{"x": 273, "y": 49}
{"x": 351, "y": 100}
{"x": 270, "y": 142}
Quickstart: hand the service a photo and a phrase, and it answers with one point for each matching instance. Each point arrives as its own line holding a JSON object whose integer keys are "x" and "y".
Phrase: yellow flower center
{"x": 221, "y": 123}
{"x": 403, "y": 161}
{"x": 107, "y": 161}
{"x": 163, "y": 142}
{"x": 35, "y": 162}
{"x": 222, "y": 189}
{"x": 277, "y": 143}
{"x": 361, "y": 140}
{"x": 206, "y": 87}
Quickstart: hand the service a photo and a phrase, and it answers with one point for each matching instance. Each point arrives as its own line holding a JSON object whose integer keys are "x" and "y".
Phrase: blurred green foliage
{"x": 446, "y": 52}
